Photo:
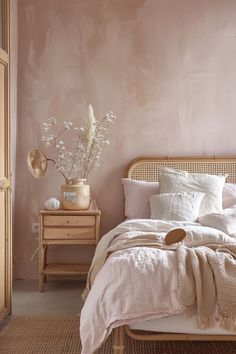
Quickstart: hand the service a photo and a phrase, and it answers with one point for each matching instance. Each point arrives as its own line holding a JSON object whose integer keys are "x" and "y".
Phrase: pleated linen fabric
{"x": 60, "y": 334}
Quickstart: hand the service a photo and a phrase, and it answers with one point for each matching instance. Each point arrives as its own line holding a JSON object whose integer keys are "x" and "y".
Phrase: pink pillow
{"x": 229, "y": 195}
{"x": 137, "y": 195}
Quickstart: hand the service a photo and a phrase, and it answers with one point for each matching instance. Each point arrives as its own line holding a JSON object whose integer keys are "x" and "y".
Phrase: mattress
{"x": 178, "y": 324}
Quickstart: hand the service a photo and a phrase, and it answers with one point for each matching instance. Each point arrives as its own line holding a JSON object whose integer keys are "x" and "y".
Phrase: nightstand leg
{"x": 45, "y": 262}
{"x": 41, "y": 282}
{"x": 42, "y": 260}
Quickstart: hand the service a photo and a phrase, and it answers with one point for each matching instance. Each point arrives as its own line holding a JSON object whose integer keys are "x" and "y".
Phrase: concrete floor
{"x": 59, "y": 297}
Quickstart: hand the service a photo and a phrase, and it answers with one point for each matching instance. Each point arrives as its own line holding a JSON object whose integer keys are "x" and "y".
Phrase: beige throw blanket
{"x": 207, "y": 277}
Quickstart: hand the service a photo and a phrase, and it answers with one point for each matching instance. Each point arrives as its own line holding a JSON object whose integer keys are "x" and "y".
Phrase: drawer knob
{"x": 68, "y": 234}
{"x": 67, "y": 221}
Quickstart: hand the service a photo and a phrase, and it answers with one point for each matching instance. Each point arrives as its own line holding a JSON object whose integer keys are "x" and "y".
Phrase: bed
{"x": 161, "y": 328}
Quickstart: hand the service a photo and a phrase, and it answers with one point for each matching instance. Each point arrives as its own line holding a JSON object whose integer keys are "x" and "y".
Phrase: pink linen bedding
{"x": 137, "y": 283}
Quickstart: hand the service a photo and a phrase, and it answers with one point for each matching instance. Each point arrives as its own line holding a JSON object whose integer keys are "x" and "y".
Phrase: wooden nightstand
{"x": 66, "y": 227}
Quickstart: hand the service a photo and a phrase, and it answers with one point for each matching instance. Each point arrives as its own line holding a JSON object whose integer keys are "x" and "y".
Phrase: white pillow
{"x": 229, "y": 195}
{"x": 137, "y": 194}
{"x": 224, "y": 220}
{"x": 173, "y": 181}
{"x": 176, "y": 206}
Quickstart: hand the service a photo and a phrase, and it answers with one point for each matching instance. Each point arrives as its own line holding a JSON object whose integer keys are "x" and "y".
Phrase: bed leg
{"x": 119, "y": 340}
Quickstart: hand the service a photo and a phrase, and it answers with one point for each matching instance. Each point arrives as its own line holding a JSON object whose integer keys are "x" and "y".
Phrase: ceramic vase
{"x": 75, "y": 195}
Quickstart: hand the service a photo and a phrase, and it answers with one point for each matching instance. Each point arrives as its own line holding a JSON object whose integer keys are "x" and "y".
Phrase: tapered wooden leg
{"x": 45, "y": 262}
{"x": 41, "y": 267}
{"x": 119, "y": 340}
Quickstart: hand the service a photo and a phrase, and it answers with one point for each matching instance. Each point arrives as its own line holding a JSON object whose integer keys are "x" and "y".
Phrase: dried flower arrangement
{"x": 87, "y": 144}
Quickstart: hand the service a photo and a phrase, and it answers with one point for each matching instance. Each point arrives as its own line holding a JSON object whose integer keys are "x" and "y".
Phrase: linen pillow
{"x": 174, "y": 181}
{"x": 224, "y": 220}
{"x": 176, "y": 206}
{"x": 137, "y": 194}
{"x": 229, "y": 195}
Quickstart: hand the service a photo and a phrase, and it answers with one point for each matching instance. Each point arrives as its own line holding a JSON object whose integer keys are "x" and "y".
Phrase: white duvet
{"x": 138, "y": 283}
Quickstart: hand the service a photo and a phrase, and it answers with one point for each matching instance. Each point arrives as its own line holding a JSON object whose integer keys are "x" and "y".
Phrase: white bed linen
{"x": 178, "y": 324}
{"x": 138, "y": 283}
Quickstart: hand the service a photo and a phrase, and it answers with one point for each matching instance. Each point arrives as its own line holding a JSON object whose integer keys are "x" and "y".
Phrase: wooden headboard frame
{"x": 147, "y": 168}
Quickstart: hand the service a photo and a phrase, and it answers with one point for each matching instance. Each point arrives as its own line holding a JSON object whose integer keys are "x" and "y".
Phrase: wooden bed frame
{"x": 147, "y": 169}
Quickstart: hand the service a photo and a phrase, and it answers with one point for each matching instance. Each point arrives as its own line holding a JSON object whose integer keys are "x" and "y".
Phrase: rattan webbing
{"x": 147, "y": 169}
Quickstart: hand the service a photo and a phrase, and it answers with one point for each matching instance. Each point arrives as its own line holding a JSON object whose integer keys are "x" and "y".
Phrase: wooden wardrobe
{"x": 5, "y": 166}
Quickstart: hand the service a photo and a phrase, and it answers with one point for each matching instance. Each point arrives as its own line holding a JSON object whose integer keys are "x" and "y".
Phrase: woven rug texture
{"x": 56, "y": 335}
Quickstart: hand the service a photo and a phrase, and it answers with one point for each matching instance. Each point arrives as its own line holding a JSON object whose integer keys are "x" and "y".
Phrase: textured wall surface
{"x": 165, "y": 67}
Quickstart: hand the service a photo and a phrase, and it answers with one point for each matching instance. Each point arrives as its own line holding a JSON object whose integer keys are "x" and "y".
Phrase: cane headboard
{"x": 147, "y": 168}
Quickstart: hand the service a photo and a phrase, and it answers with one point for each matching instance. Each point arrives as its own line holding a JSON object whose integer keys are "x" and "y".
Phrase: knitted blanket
{"x": 207, "y": 277}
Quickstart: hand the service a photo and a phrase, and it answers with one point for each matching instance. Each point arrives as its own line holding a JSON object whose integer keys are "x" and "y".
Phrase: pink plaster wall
{"x": 165, "y": 67}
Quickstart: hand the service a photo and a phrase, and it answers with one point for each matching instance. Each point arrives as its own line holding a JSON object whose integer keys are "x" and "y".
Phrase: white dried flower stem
{"x": 86, "y": 146}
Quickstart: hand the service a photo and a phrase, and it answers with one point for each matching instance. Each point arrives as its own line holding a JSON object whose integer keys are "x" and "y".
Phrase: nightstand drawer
{"x": 82, "y": 233}
{"x": 69, "y": 220}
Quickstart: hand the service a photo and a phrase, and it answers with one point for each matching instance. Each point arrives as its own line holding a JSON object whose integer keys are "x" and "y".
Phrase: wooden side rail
{"x": 119, "y": 337}
{"x": 178, "y": 336}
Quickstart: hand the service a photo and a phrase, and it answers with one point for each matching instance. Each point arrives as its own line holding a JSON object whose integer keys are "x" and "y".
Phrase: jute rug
{"x": 56, "y": 335}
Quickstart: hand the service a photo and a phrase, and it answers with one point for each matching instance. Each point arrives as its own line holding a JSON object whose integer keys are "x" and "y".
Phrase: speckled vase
{"x": 75, "y": 195}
